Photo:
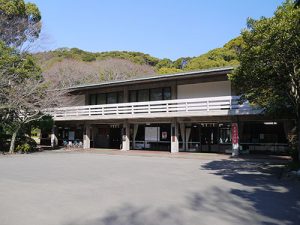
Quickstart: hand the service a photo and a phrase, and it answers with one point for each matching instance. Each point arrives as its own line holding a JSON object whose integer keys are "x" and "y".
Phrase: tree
{"x": 71, "y": 72}
{"x": 219, "y": 57}
{"x": 20, "y": 22}
{"x": 167, "y": 70}
{"x": 23, "y": 93}
{"x": 269, "y": 71}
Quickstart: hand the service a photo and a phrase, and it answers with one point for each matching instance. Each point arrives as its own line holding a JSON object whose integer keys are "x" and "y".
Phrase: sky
{"x": 161, "y": 28}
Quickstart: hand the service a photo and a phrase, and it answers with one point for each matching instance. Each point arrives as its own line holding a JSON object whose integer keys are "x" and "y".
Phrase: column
{"x": 135, "y": 129}
{"x": 125, "y": 94}
{"x": 125, "y": 136}
{"x": 174, "y": 137}
{"x": 183, "y": 134}
{"x": 53, "y": 137}
{"x": 87, "y": 136}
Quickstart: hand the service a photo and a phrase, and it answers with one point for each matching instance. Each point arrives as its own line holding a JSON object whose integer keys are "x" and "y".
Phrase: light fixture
{"x": 270, "y": 123}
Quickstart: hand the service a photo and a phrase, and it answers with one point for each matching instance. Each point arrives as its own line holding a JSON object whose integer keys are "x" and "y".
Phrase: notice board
{"x": 152, "y": 133}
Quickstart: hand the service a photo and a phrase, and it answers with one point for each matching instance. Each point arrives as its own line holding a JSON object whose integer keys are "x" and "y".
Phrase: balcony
{"x": 194, "y": 107}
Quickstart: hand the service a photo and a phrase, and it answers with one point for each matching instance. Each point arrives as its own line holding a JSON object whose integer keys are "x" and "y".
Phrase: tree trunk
{"x": 13, "y": 141}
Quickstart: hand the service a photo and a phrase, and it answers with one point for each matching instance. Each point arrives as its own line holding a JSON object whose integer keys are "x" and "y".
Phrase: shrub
{"x": 25, "y": 145}
{"x": 23, "y": 148}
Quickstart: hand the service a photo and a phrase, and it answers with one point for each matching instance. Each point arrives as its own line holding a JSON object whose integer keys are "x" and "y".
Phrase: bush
{"x": 24, "y": 148}
{"x": 26, "y": 145}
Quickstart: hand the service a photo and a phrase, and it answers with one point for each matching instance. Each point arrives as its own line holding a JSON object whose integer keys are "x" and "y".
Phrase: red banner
{"x": 234, "y": 133}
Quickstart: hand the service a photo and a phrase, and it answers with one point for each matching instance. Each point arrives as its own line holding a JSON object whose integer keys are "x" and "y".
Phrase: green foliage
{"x": 166, "y": 63}
{"x": 78, "y": 54}
{"x": 269, "y": 74}
{"x": 167, "y": 70}
{"x": 45, "y": 123}
{"x": 23, "y": 148}
{"x": 181, "y": 62}
{"x": 219, "y": 57}
{"x": 19, "y": 22}
{"x": 15, "y": 68}
{"x": 26, "y": 145}
{"x": 269, "y": 71}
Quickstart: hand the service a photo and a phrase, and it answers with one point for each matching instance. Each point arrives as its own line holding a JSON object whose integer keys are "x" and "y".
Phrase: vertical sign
{"x": 234, "y": 133}
{"x": 235, "y": 139}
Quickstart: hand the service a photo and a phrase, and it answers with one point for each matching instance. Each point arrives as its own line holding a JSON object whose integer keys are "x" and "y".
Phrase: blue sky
{"x": 162, "y": 28}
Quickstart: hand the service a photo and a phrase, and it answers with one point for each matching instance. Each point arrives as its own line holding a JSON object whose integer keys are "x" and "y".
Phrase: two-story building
{"x": 189, "y": 111}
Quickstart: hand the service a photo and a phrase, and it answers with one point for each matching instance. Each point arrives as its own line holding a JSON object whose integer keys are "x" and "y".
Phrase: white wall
{"x": 202, "y": 90}
{"x": 75, "y": 100}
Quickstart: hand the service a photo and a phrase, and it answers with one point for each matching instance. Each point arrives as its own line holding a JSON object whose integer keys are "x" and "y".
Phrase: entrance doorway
{"x": 199, "y": 137}
{"x": 209, "y": 138}
{"x": 107, "y": 136}
{"x": 151, "y": 136}
{"x": 115, "y": 137}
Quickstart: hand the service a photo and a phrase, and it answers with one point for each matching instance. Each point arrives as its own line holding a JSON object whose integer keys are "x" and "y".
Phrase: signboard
{"x": 234, "y": 133}
{"x": 71, "y": 135}
{"x": 152, "y": 133}
{"x": 164, "y": 135}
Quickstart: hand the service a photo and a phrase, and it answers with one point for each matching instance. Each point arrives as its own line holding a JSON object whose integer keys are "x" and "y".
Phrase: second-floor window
{"x": 153, "y": 94}
{"x": 106, "y": 98}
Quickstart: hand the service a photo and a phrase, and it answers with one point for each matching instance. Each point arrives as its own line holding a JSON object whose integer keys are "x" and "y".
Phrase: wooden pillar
{"x": 53, "y": 137}
{"x": 125, "y": 136}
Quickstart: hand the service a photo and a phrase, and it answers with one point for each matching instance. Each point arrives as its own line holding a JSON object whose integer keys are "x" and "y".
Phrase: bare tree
{"x": 27, "y": 102}
{"x": 70, "y": 72}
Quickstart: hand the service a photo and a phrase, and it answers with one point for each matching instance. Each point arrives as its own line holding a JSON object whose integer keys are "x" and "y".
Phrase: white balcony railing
{"x": 225, "y": 105}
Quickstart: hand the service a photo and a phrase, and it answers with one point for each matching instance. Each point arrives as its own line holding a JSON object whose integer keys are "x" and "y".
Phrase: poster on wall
{"x": 164, "y": 135}
{"x": 71, "y": 135}
{"x": 152, "y": 133}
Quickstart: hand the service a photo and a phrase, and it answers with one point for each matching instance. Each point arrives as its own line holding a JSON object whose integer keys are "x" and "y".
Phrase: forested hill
{"x": 68, "y": 67}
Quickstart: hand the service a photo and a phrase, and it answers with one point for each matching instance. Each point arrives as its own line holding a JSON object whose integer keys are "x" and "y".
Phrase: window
{"x": 101, "y": 99}
{"x": 156, "y": 94}
{"x": 224, "y": 133}
{"x": 143, "y": 95}
{"x": 120, "y": 97}
{"x": 106, "y": 98}
{"x": 112, "y": 98}
{"x": 132, "y": 96}
{"x": 167, "y": 93}
{"x": 93, "y": 99}
{"x": 153, "y": 94}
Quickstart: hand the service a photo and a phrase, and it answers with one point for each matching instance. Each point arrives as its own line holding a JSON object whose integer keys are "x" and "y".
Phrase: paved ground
{"x": 81, "y": 188}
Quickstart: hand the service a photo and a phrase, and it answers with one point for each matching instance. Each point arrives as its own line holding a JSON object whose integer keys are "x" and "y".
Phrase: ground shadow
{"x": 262, "y": 186}
{"x": 258, "y": 197}
{"x": 128, "y": 214}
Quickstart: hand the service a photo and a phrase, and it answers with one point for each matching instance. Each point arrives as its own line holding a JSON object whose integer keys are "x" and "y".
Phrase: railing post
{"x": 167, "y": 105}
{"x": 149, "y": 108}
{"x": 89, "y": 111}
{"x": 186, "y": 107}
{"x": 207, "y": 105}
